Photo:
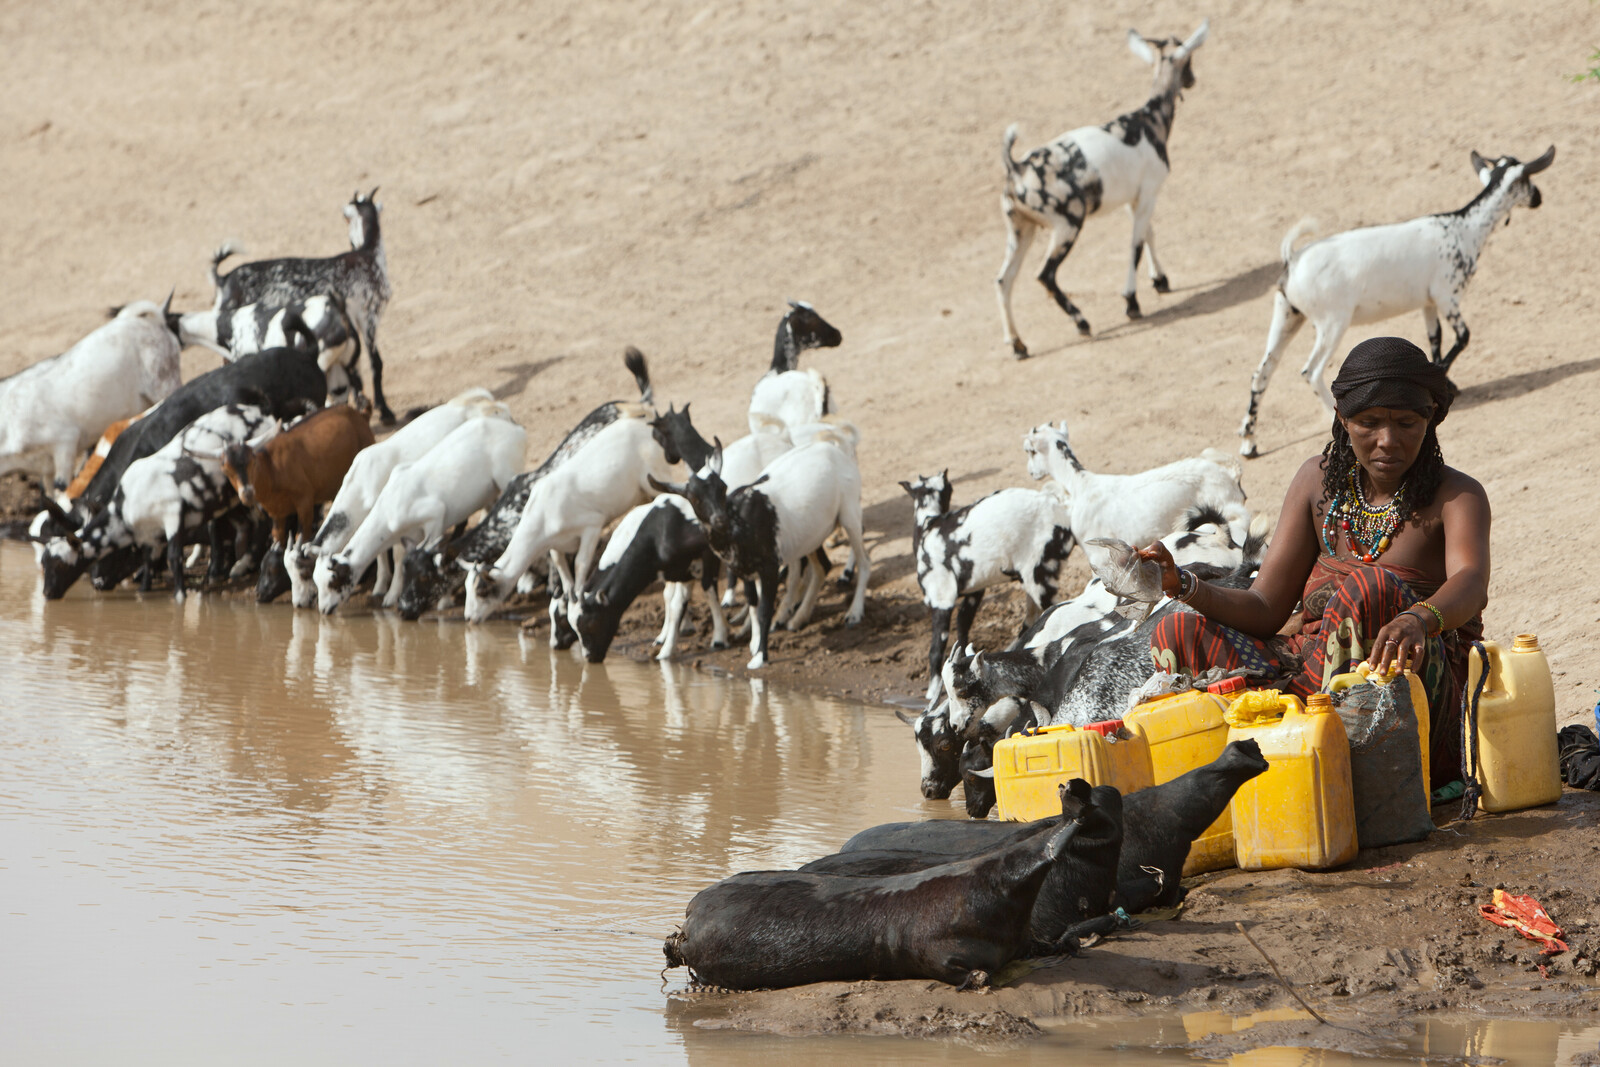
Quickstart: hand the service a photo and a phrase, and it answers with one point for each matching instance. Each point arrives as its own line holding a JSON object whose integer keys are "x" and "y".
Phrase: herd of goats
{"x": 271, "y": 460}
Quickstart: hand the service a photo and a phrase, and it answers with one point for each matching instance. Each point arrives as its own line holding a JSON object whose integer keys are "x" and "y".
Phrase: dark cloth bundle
{"x": 1391, "y": 798}
{"x": 1391, "y": 372}
{"x": 1580, "y": 757}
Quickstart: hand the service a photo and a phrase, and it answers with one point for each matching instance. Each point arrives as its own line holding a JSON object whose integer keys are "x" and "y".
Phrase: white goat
{"x": 1137, "y": 508}
{"x": 777, "y": 522}
{"x": 1012, "y": 535}
{"x": 369, "y": 473}
{"x": 785, "y": 392}
{"x": 1087, "y": 170}
{"x": 60, "y": 406}
{"x": 1378, "y": 272}
{"x": 569, "y": 508}
{"x": 424, "y": 498}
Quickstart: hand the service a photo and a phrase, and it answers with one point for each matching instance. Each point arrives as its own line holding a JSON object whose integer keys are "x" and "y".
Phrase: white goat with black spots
{"x": 257, "y": 327}
{"x": 1091, "y": 169}
{"x": 1378, "y": 272}
{"x": 1138, "y": 508}
{"x": 1012, "y": 535}
{"x": 59, "y": 407}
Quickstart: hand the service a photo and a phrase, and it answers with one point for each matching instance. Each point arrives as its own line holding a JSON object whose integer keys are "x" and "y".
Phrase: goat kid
{"x": 570, "y": 507}
{"x": 1137, "y": 508}
{"x": 1012, "y": 535}
{"x": 777, "y": 522}
{"x": 424, "y": 498}
{"x": 287, "y": 474}
{"x": 360, "y": 278}
{"x": 1091, "y": 169}
{"x": 363, "y": 483}
{"x": 661, "y": 539}
{"x": 59, "y": 407}
{"x": 437, "y": 574}
{"x": 786, "y": 393}
{"x": 163, "y": 498}
{"x": 1378, "y": 272}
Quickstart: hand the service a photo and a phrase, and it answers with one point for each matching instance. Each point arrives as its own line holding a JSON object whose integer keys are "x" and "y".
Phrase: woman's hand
{"x": 1170, "y": 582}
{"x": 1399, "y": 644}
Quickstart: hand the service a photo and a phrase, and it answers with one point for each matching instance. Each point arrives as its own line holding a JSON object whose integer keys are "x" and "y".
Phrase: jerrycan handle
{"x": 1469, "y": 730}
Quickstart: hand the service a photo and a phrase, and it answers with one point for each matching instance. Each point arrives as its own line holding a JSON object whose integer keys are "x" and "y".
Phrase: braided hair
{"x": 1422, "y": 480}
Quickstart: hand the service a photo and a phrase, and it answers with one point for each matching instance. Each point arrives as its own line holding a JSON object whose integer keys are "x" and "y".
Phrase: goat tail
{"x": 1304, "y": 228}
{"x": 1256, "y": 540}
{"x": 227, "y": 248}
{"x": 1010, "y": 161}
{"x": 633, "y": 359}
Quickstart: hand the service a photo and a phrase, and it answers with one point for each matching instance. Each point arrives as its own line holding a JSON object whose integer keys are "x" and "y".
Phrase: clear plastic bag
{"x": 1119, "y": 565}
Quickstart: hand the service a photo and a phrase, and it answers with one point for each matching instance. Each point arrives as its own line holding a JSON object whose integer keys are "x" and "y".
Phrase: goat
{"x": 570, "y": 507}
{"x": 288, "y": 474}
{"x": 1378, "y": 272}
{"x": 166, "y": 497}
{"x": 359, "y": 277}
{"x": 60, "y": 406}
{"x": 1137, "y": 508}
{"x": 432, "y": 577}
{"x": 255, "y": 327}
{"x": 364, "y": 481}
{"x": 1012, "y": 535}
{"x": 661, "y": 539}
{"x": 778, "y": 521}
{"x": 424, "y": 498}
{"x": 786, "y": 393}
{"x": 1090, "y": 169}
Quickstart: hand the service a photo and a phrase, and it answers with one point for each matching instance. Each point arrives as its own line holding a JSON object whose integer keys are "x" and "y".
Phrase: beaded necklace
{"x": 1361, "y": 521}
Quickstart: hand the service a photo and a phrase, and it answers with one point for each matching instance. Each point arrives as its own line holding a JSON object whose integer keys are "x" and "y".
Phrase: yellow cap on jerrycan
{"x": 1518, "y": 765}
{"x": 1301, "y": 811}
{"x": 1184, "y": 731}
{"x": 1029, "y": 766}
{"x": 1419, "y": 704}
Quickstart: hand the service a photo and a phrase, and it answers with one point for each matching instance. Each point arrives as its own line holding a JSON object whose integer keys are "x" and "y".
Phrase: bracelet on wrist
{"x": 1436, "y": 614}
{"x": 1188, "y": 585}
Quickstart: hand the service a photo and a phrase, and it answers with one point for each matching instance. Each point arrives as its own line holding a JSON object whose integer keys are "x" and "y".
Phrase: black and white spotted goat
{"x": 168, "y": 497}
{"x": 661, "y": 539}
{"x": 786, "y": 393}
{"x": 360, "y": 277}
{"x": 1019, "y": 535}
{"x": 1378, "y": 272}
{"x": 777, "y": 522}
{"x": 255, "y": 327}
{"x": 1092, "y": 169}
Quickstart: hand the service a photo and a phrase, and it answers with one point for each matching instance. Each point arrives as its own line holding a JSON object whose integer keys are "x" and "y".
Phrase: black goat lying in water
{"x": 958, "y": 922}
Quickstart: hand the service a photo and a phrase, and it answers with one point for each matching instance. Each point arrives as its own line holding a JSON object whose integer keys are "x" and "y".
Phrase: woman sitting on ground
{"x": 1384, "y": 547}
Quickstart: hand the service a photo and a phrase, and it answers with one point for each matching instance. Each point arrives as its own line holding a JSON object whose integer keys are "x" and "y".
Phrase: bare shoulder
{"x": 1306, "y": 486}
{"x": 1457, "y": 486}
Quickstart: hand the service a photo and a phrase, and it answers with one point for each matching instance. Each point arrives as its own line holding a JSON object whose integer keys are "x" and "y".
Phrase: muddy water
{"x": 252, "y": 835}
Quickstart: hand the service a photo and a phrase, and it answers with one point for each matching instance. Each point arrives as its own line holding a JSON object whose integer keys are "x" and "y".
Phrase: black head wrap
{"x": 1391, "y": 372}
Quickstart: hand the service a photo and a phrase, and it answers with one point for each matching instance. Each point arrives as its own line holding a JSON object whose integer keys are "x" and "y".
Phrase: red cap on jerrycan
{"x": 1105, "y": 729}
{"x": 1226, "y": 686}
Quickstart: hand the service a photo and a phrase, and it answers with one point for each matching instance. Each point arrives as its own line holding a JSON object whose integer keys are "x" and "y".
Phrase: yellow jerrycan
{"x": 1515, "y": 742}
{"x": 1029, "y": 766}
{"x": 1419, "y": 704}
{"x": 1301, "y": 812}
{"x": 1185, "y": 731}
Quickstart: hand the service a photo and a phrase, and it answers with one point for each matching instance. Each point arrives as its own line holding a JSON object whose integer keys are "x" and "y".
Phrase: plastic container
{"x": 1301, "y": 811}
{"x": 1518, "y": 766}
{"x": 1185, "y": 731}
{"x": 1028, "y": 767}
{"x": 1419, "y": 704}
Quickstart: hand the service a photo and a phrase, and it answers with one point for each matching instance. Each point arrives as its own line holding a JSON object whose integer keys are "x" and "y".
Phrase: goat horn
{"x": 664, "y": 487}
{"x": 987, "y": 772}
{"x": 1542, "y": 162}
{"x": 909, "y": 720}
{"x": 373, "y": 196}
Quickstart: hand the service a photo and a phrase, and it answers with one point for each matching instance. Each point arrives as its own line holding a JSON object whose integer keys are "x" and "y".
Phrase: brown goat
{"x": 299, "y": 468}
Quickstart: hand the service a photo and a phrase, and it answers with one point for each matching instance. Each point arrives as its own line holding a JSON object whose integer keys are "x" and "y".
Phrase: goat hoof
{"x": 1248, "y": 450}
{"x": 1160, "y": 284}
{"x": 386, "y": 417}
{"x": 717, "y": 646}
{"x": 1019, "y": 349}
{"x": 1083, "y": 330}
{"x": 1133, "y": 308}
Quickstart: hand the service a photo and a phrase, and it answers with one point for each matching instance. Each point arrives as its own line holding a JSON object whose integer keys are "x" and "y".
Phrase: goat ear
{"x": 1137, "y": 45}
{"x": 987, "y": 772}
{"x": 1196, "y": 39}
{"x": 907, "y": 487}
{"x": 166, "y": 305}
{"x": 716, "y": 456}
{"x": 601, "y": 598}
{"x": 664, "y": 487}
{"x": 1481, "y": 166}
{"x": 1541, "y": 163}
